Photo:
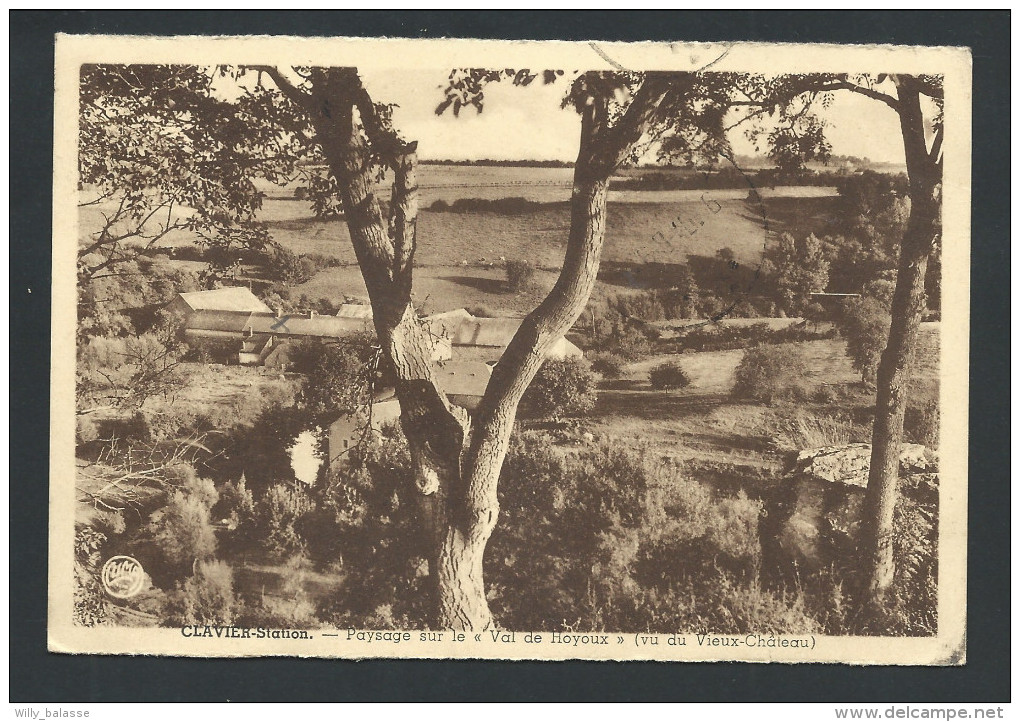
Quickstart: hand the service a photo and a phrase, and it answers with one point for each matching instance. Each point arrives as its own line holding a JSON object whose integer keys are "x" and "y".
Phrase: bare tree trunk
{"x": 456, "y": 462}
{"x": 462, "y": 601}
{"x": 343, "y": 115}
{"x": 896, "y": 366}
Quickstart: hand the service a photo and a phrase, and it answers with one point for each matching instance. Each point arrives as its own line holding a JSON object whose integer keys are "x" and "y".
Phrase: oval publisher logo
{"x": 123, "y": 577}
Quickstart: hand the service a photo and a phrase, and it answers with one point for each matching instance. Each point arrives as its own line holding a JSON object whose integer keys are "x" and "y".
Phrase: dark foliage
{"x": 607, "y": 364}
{"x": 502, "y": 206}
{"x": 864, "y": 323}
{"x": 89, "y": 605}
{"x": 563, "y": 387}
{"x": 668, "y": 376}
{"x": 770, "y": 374}
{"x": 520, "y": 275}
{"x": 921, "y": 423}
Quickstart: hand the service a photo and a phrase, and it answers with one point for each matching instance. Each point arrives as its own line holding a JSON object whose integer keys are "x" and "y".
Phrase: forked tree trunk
{"x": 475, "y": 509}
{"x": 456, "y": 460}
{"x": 896, "y": 365}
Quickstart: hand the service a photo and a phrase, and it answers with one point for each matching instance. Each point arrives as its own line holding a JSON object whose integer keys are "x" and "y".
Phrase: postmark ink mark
{"x": 281, "y": 325}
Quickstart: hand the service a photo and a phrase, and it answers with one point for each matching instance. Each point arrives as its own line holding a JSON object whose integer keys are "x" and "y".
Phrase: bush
{"x": 89, "y": 600}
{"x": 482, "y": 311}
{"x": 338, "y": 375}
{"x": 667, "y": 376}
{"x": 213, "y": 350}
{"x": 183, "y": 531}
{"x": 504, "y": 206}
{"x": 85, "y": 429}
{"x": 622, "y": 338}
{"x": 520, "y": 275}
{"x": 562, "y": 387}
{"x": 769, "y": 374}
{"x": 921, "y": 424}
{"x": 205, "y": 598}
{"x": 610, "y": 540}
{"x": 805, "y": 431}
{"x": 279, "y": 514}
{"x": 609, "y": 365}
{"x": 864, "y": 323}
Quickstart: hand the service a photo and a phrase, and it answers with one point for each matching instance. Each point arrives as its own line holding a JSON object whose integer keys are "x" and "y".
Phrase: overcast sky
{"x": 527, "y": 123}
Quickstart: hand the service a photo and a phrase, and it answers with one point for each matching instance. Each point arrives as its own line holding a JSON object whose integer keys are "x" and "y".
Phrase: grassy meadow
{"x": 706, "y": 442}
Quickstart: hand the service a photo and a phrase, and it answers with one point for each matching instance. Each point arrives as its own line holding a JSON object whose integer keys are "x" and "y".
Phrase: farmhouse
{"x": 463, "y": 382}
{"x": 218, "y": 313}
{"x": 227, "y": 299}
{"x": 485, "y": 340}
{"x": 236, "y": 321}
{"x": 355, "y": 310}
{"x": 351, "y": 429}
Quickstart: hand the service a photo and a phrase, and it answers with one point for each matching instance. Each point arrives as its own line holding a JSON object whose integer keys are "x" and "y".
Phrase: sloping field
{"x": 636, "y": 233}
{"x": 643, "y": 226}
{"x": 704, "y": 422}
{"x": 438, "y": 288}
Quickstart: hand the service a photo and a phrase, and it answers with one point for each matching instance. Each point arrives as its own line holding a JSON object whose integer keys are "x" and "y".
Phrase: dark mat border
{"x": 37, "y": 676}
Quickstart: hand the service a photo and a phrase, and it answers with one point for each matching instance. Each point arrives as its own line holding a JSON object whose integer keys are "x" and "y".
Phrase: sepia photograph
{"x": 510, "y": 350}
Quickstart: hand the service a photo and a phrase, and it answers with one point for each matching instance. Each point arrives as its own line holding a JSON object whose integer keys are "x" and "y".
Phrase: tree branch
{"x": 295, "y": 94}
{"x": 616, "y": 143}
{"x": 860, "y": 90}
{"x": 934, "y": 155}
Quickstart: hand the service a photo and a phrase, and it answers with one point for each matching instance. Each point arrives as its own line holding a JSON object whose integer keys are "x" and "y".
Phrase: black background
{"x": 38, "y": 676}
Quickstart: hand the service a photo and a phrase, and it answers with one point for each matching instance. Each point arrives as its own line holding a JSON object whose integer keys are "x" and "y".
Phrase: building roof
{"x": 229, "y": 298}
{"x": 496, "y": 332}
{"x": 207, "y": 320}
{"x": 355, "y": 310}
{"x": 305, "y": 325}
{"x": 567, "y": 347}
{"x": 447, "y": 322}
{"x": 462, "y": 378}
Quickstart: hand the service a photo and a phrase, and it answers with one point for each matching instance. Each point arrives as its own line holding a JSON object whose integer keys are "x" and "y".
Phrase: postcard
{"x": 394, "y": 348}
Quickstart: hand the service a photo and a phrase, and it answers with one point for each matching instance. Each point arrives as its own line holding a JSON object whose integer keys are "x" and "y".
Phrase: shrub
{"x": 86, "y": 429}
{"x": 623, "y": 338}
{"x": 337, "y": 375}
{"x": 769, "y": 374}
{"x": 207, "y": 597}
{"x": 278, "y": 516}
{"x": 809, "y": 432}
{"x": 482, "y": 311}
{"x": 562, "y": 387}
{"x": 520, "y": 275}
{"x": 921, "y": 424}
{"x": 864, "y": 323}
{"x": 213, "y": 350}
{"x": 129, "y": 370}
{"x": 89, "y": 601}
{"x": 608, "y": 364}
{"x": 505, "y": 206}
{"x": 612, "y": 540}
{"x": 668, "y": 375}
{"x": 183, "y": 531}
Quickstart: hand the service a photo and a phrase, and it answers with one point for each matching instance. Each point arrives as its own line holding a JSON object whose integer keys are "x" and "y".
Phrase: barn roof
{"x": 229, "y": 298}
{"x": 462, "y": 378}
{"x": 301, "y": 325}
{"x": 355, "y": 310}
{"x": 497, "y": 332}
{"x": 208, "y": 320}
{"x": 447, "y": 322}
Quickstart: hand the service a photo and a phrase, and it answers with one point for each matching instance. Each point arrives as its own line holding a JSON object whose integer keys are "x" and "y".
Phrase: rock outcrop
{"x": 812, "y": 516}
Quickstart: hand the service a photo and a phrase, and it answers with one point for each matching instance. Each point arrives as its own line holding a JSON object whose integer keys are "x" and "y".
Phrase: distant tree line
{"x": 502, "y": 163}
